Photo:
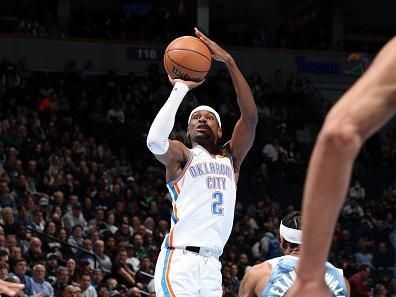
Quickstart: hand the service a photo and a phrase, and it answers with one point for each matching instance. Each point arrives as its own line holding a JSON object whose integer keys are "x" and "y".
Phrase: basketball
{"x": 187, "y": 58}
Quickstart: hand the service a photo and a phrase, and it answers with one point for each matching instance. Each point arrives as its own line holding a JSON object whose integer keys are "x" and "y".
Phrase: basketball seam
{"x": 183, "y": 37}
{"x": 184, "y": 66}
{"x": 166, "y": 66}
{"x": 190, "y": 50}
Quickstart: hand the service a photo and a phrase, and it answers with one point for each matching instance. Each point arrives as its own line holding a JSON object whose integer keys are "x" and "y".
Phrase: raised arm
{"x": 363, "y": 110}
{"x": 171, "y": 153}
{"x": 244, "y": 131}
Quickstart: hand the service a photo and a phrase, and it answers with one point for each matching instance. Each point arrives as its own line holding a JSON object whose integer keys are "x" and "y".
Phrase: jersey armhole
{"x": 184, "y": 169}
{"x": 226, "y": 148}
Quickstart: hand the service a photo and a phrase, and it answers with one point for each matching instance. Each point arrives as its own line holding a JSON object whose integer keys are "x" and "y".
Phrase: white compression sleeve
{"x": 157, "y": 138}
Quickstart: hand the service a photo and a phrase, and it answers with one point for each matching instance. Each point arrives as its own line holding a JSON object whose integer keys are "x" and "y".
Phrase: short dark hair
{"x": 4, "y": 265}
{"x": 77, "y": 226}
{"x": 19, "y": 260}
{"x": 293, "y": 220}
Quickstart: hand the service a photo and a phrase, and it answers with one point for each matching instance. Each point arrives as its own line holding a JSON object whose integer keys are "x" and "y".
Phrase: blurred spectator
{"x": 115, "y": 115}
{"x": 267, "y": 247}
{"x": 357, "y": 191}
{"x": 272, "y": 150}
{"x": 35, "y": 254}
{"x": 352, "y": 210}
{"x": 86, "y": 286}
{"x": 52, "y": 267}
{"x": 74, "y": 217}
{"x": 147, "y": 269}
{"x": 97, "y": 278}
{"x": 76, "y": 238}
{"x": 4, "y": 270}
{"x": 62, "y": 280}
{"x": 132, "y": 260}
{"x": 363, "y": 256}
{"x": 40, "y": 285}
{"x": 383, "y": 259}
{"x": 358, "y": 282}
{"x": 70, "y": 291}
{"x": 111, "y": 283}
{"x": 88, "y": 253}
{"x": 138, "y": 243}
{"x": 105, "y": 262}
{"x": 103, "y": 291}
{"x": 38, "y": 222}
{"x": 6, "y": 199}
{"x": 122, "y": 271}
{"x": 71, "y": 267}
{"x": 134, "y": 292}
{"x": 8, "y": 221}
{"x": 20, "y": 269}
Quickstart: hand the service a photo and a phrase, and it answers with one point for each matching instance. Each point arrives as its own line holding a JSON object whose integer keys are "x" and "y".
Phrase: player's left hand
{"x": 190, "y": 84}
{"x": 218, "y": 53}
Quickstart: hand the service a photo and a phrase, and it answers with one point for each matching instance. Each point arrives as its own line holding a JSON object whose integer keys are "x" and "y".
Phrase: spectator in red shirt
{"x": 358, "y": 282}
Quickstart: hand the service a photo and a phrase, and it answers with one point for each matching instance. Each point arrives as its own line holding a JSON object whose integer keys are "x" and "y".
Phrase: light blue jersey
{"x": 283, "y": 275}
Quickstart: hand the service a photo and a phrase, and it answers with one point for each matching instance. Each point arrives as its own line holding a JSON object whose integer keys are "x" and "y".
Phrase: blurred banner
{"x": 52, "y": 55}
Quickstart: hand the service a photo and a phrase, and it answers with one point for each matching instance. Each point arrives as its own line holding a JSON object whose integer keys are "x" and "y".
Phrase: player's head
{"x": 290, "y": 232}
{"x": 204, "y": 125}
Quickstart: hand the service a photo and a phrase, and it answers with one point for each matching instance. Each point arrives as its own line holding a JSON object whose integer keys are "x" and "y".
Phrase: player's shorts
{"x": 181, "y": 273}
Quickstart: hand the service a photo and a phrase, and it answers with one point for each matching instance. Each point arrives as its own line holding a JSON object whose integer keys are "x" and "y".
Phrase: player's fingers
{"x": 201, "y": 36}
{"x": 198, "y": 32}
{"x": 201, "y": 82}
{"x": 15, "y": 286}
{"x": 4, "y": 284}
{"x": 9, "y": 292}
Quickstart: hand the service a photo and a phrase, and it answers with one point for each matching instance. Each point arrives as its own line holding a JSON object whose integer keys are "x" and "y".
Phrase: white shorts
{"x": 181, "y": 273}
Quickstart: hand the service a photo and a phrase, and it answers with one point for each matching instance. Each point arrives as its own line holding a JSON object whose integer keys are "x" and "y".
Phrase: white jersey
{"x": 203, "y": 199}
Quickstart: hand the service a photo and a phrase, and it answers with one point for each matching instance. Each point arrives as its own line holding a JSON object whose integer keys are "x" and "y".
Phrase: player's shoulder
{"x": 260, "y": 269}
{"x": 257, "y": 276}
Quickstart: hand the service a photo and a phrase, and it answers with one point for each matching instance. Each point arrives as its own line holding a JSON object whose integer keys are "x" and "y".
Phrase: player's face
{"x": 203, "y": 127}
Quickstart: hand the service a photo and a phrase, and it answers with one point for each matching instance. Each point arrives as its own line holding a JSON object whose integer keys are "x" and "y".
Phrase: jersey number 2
{"x": 217, "y": 204}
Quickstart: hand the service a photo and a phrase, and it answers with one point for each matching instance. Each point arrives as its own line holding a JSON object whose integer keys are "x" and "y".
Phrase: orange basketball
{"x": 187, "y": 58}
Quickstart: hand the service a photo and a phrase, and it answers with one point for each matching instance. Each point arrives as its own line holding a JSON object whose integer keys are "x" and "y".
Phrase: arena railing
{"x": 64, "y": 243}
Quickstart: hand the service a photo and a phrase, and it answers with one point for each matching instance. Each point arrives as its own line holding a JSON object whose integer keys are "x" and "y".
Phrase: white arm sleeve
{"x": 157, "y": 138}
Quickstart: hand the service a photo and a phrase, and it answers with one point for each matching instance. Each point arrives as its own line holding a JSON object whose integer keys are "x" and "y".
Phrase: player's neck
{"x": 211, "y": 148}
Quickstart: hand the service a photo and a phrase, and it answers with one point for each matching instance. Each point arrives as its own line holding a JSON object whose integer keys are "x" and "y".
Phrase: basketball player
{"x": 362, "y": 111}
{"x": 275, "y": 276}
{"x": 10, "y": 288}
{"x": 202, "y": 182}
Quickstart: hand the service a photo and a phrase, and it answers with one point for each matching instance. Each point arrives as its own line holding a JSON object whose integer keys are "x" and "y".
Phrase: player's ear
{"x": 188, "y": 139}
{"x": 219, "y": 133}
{"x": 283, "y": 243}
{"x": 188, "y": 132}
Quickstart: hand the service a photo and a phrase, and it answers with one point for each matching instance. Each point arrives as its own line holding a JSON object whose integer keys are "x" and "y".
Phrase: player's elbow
{"x": 254, "y": 119}
{"x": 156, "y": 144}
{"x": 342, "y": 137}
{"x": 251, "y": 120}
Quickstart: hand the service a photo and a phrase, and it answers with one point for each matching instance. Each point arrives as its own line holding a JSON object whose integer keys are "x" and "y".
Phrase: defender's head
{"x": 204, "y": 125}
{"x": 290, "y": 232}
